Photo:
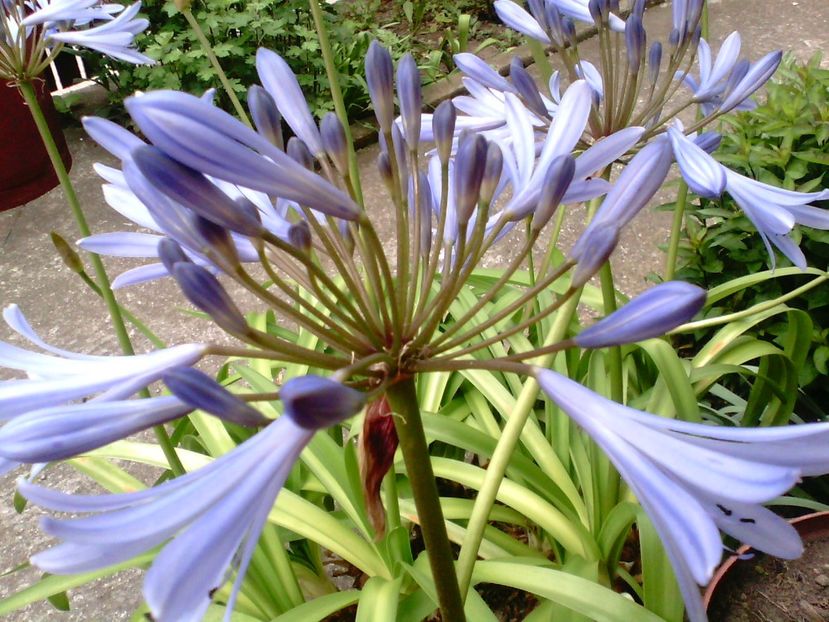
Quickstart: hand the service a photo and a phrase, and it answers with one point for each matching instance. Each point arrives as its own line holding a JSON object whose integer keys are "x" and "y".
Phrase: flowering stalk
{"x": 406, "y": 412}
{"x": 211, "y": 56}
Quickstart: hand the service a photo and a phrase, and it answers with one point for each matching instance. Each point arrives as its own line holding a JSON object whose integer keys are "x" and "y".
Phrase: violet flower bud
{"x": 492, "y": 172}
{"x": 443, "y": 126}
{"x": 334, "y": 142}
{"x": 556, "y": 182}
{"x": 384, "y": 168}
{"x": 651, "y": 314}
{"x": 592, "y": 250}
{"x": 708, "y": 141}
{"x": 298, "y": 151}
{"x": 265, "y": 114}
{"x": 218, "y": 240}
{"x": 205, "y": 292}
{"x": 171, "y": 253}
{"x": 469, "y": 172}
{"x": 599, "y": 11}
{"x": 635, "y": 39}
{"x": 526, "y": 87}
{"x": 638, "y": 8}
{"x": 379, "y": 78}
{"x": 193, "y": 190}
{"x": 198, "y": 390}
{"x": 314, "y": 402}
{"x": 410, "y": 98}
{"x": 654, "y": 61}
{"x": 299, "y": 235}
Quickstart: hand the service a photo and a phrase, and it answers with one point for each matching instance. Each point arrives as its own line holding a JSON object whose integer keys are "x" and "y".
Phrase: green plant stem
{"x": 676, "y": 230}
{"x": 504, "y": 451}
{"x": 614, "y": 353}
{"x": 337, "y": 96}
{"x": 30, "y": 97}
{"x": 211, "y": 56}
{"x": 402, "y": 397}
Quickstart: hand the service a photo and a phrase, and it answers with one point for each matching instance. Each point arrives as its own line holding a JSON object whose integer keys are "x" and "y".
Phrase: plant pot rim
{"x": 810, "y": 527}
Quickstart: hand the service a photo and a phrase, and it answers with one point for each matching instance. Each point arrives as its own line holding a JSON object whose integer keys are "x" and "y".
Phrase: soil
{"x": 767, "y": 589}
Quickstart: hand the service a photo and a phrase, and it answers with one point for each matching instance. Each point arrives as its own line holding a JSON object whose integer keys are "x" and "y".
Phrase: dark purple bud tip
{"x": 379, "y": 78}
{"x": 298, "y": 151}
{"x": 265, "y": 115}
{"x": 334, "y": 141}
{"x": 526, "y": 87}
{"x": 299, "y": 235}
{"x": 314, "y": 402}
{"x": 651, "y": 314}
{"x": 193, "y": 190}
{"x": 443, "y": 127}
{"x": 469, "y": 172}
{"x": 557, "y": 181}
{"x": 635, "y": 38}
{"x": 592, "y": 249}
{"x": 171, "y": 253}
{"x": 708, "y": 141}
{"x": 217, "y": 241}
{"x": 205, "y": 292}
{"x": 199, "y": 390}
{"x": 492, "y": 172}
{"x": 409, "y": 96}
{"x": 654, "y": 61}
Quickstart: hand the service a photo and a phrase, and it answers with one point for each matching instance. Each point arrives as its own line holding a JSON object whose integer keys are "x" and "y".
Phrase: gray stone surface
{"x": 58, "y": 304}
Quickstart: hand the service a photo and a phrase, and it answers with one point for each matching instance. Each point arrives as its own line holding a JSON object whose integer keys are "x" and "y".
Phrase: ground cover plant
{"x": 395, "y": 410}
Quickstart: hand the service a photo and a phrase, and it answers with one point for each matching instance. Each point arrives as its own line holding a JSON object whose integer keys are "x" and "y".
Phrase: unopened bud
{"x": 469, "y": 172}
{"x": 384, "y": 168}
{"x": 378, "y": 442}
{"x": 299, "y": 236}
{"x": 199, "y": 390}
{"x": 654, "y": 61}
{"x": 594, "y": 248}
{"x": 298, "y": 151}
{"x": 492, "y": 172}
{"x": 556, "y": 182}
{"x": 217, "y": 241}
{"x": 526, "y": 87}
{"x": 410, "y": 98}
{"x": 70, "y": 257}
{"x": 635, "y": 38}
{"x": 379, "y": 78}
{"x": 265, "y": 114}
{"x": 443, "y": 127}
{"x": 205, "y": 292}
{"x": 171, "y": 253}
{"x": 334, "y": 142}
{"x": 315, "y": 403}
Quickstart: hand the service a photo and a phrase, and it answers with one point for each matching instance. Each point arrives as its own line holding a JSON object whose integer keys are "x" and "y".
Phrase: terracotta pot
{"x": 25, "y": 170}
{"x": 810, "y": 527}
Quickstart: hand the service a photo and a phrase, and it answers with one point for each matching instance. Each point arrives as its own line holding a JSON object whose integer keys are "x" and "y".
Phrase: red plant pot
{"x": 25, "y": 170}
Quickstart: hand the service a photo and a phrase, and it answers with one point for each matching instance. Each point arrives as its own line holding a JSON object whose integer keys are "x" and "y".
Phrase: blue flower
{"x": 59, "y": 378}
{"x": 114, "y": 37}
{"x": 694, "y": 480}
{"x": 212, "y": 517}
{"x": 773, "y": 211}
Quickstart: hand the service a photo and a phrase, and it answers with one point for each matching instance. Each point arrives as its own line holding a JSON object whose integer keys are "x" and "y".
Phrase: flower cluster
{"x": 230, "y": 201}
{"x": 33, "y": 33}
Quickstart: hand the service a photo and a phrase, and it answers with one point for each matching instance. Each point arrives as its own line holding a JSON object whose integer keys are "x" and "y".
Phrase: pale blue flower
{"x": 61, "y": 377}
{"x": 773, "y": 211}
{"x": 113, "y": 37}
{"x": 580, "y": 11}
{"x": 694, "y": 480}
{"x": 212, "y": 517}
{"x": 650, "y": 314}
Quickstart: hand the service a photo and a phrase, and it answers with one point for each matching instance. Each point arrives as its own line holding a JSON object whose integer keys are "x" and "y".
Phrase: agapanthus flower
{"x": 48, "y": 25}
{"x": 208, "y": 520}
{"x": 694, "y": 480}
{"x": 773, "y": 211}
{"x": 727, "y": 84}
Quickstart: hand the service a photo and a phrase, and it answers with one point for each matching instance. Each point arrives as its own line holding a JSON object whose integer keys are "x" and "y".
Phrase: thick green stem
{"x": 403, "y": 400}
{"x": 30, "y": 97}
{"x": 614, "y": 353}
{"x": 504, "y": 451}
{"x": 211, "y": 56}
{"x": 676, "y": 230}
{"x": 337, "y": 96}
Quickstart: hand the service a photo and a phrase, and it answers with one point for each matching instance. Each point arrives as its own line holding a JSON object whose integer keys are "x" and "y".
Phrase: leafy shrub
{"x": 235, "y": 29}
{"x": 784, "y": 142}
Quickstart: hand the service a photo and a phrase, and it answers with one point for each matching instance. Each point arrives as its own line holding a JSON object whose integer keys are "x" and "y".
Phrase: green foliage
{"x": 236, "y": 30}
{"x": 783, "y": 142}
